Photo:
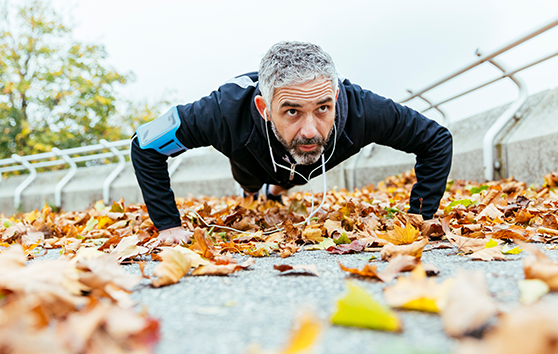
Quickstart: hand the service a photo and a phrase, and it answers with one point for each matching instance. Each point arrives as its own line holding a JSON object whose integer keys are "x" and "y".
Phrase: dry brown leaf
{"x": 417, "y": 292}
{"x": 353, "y": 247}
{"x": 432, "y": 228}
{"x": 490, "y": 212}
{"x": 297, "y": 269}
{"x": 288, "y": 249}
{"x": 466, "y": 244}
{"x": 174, "y": 266}
{"x": 539, "y": 266}
{"x": 396, "y": 265}
{"x": 468, "y": 305}
{"x": 488, "y": 254}
{"x": 128, "y": 248}
{"x": 368, "y": 270}
{"x": 226, "y": 269}
{"x": 414, "y": 249}
{"x": 492, "y": 194}
{"x": 528, "y": 329}
{"x": 313, "y": 234}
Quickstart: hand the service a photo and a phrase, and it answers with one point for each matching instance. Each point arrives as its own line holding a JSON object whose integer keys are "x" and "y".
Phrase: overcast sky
{"x": 183, "y": 50}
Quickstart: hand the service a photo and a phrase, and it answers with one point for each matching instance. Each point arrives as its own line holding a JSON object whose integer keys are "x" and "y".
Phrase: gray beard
{"x": 303, "y": 157}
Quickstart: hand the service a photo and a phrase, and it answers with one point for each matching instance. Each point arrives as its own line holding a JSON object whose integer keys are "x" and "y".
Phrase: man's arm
{"x": 391, "y": 124}
{"x": 153, "y": 178}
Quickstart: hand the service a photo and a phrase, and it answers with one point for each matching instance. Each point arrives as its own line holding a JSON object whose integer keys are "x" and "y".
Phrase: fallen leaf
{"x": 531, "y": 290}
{"x": 490, "y": 212}
{"x": 488, "y": 254}
{"x": 342, "y": 239}
{"x": 174, "y": 266}
{"x": 396, "y": 265}
{"x": 326, "y": 243}
{"x": 368, "y": 270}
{"x": 128, "y": 248}
{"x": 353, "y": 247}
{"x": 401, "y": 236}
{"x": 213, "y": 269}
{"x": 416, "y": 292}
{"x": 414, "y": 249}
{"x": 298, "y": 269}
{"x": 468, "y": 305}
{"x": 304, "y": 335}
{"x": 358, "y": 309}
{"x": 528, "y": 329}
{"x": 313, "y": 234}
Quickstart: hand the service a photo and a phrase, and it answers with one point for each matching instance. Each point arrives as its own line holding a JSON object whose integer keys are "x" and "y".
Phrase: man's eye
{"x": 323, "y": 109}
{"x": 291, "y": 112}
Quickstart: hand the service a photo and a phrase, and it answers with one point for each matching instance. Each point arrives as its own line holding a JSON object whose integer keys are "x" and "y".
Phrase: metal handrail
{"x": 71, "y": 157}
{"x": 500, "y": 123}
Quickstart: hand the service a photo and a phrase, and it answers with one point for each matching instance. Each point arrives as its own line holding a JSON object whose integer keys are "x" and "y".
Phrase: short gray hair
{"x": 291, "y": 63}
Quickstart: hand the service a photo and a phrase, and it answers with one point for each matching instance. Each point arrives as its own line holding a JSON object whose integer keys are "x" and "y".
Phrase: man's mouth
{"x": 307, "y": 148}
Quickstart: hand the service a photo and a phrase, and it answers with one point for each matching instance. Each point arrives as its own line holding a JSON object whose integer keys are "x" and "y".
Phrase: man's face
{"x": 303, "y": 117}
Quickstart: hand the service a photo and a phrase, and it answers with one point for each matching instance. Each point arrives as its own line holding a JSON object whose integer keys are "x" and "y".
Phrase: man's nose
{"x": 309, "y": 129}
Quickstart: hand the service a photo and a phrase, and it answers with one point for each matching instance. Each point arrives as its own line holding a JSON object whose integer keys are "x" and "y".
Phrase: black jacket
{"x": 228, "y": 120}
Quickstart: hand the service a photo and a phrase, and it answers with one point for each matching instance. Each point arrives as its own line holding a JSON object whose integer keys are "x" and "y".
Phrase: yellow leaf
{"x": 305, "y": 335}
{"x": 511, "y": 250}
{"x": 416, "y": 292}
{"x": 532, "y": 290}
{"x": 358, "y": 309}
{"x": 491, "y": 243}
{"x": 401, "y": 236}
{"x": 104, "y": 221}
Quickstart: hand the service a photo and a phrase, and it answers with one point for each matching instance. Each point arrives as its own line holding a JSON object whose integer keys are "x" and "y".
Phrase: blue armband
{"x": 160, "y": 134}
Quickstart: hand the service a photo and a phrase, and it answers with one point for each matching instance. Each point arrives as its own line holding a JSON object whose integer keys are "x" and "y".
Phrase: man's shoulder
{"x": 244, "y": 81}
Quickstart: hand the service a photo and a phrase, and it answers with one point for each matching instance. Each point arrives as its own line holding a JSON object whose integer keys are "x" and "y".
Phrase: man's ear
{"x": 336, "y": 94}
{"x": 261, "y": 106}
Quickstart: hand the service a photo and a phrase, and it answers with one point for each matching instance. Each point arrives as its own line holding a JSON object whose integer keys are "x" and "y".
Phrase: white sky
{"x": 182, "y": 50}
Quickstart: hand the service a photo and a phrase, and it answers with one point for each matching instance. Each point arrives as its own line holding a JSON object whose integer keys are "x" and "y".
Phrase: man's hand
{"x": 174, "y": 235}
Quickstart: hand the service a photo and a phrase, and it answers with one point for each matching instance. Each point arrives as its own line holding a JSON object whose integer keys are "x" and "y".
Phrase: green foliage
{"x": 464, "y": 202}
{"x": 55, "y": 91}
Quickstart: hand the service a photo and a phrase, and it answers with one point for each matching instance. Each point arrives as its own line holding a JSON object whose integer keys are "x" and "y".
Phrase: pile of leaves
{"x": 484, "y": 222}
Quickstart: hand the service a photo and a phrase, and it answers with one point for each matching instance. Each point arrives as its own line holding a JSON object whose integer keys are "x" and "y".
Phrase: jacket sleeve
{"x": 202, "y": 124}
{"x": 400, "y": 127}
{"x": 153, "y": 178}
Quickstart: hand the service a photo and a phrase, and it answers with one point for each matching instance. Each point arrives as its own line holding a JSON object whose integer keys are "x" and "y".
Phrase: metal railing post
{"x": 67, "y": 177}
{"x": 121, "y": 164}
{"x": 500, "y": 123}
{"x": 32, "y": 175}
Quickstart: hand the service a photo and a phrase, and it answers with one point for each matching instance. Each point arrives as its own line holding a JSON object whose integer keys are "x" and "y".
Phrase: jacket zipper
{"x": 293, "y": 166}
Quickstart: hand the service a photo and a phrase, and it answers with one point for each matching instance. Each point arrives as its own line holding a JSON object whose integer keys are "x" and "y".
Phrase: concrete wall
{"x": 526, "y": 149}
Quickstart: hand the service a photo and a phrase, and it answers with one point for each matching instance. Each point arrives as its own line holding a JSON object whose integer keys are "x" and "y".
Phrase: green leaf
{"x": 464, "y": 202}
{"x": 90, "y": 224}
{"x": 491, "y": 243}
{"x": 477, "y": 190}
{"x": 7, "y": 223}
{"x": 326, "y": 243}
{"x": 342, "y": 239}
{"x": 391, "y": 212}
{"x": 358, "y": 309}
{"x": 99, "y": 205}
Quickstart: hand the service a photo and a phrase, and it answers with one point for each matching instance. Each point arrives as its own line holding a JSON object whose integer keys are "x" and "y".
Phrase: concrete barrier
{"x": 527, "y": 148}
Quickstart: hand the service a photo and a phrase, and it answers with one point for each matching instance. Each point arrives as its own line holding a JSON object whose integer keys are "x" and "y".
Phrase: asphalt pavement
{"x": 214, "y": 314}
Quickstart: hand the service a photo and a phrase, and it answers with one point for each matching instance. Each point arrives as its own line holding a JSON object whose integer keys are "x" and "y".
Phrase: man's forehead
{"x": 318, "y": 91}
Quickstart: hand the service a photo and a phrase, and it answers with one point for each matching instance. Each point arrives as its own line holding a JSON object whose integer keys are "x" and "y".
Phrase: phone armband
{"x": 160, "y": 134}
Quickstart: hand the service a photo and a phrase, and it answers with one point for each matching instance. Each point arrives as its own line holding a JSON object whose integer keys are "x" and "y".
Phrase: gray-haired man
{"x": 274, "y": 126}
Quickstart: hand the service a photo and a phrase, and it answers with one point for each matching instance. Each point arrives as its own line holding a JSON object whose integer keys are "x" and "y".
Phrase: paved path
{"x": 211, "y": 314}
